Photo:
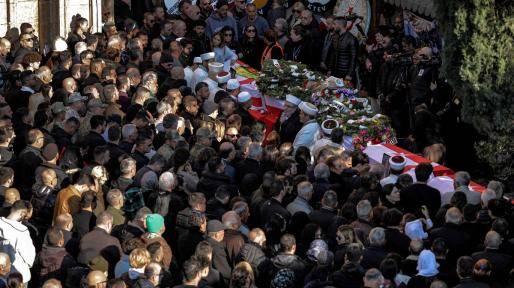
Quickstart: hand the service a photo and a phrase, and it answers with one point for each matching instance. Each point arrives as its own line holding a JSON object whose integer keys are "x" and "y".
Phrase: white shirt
{"x": 198, "y": 76}
{"x": 188, "y": 76}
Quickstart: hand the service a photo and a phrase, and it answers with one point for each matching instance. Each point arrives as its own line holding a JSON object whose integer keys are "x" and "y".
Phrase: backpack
{"x": 134, "y": 200}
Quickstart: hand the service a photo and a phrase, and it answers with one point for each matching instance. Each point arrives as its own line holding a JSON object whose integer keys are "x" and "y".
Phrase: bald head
{"x": 95, "y": 277}
{"x": 492, "y": 240}
{"x": 5, "y": 264}
{"x": 256, "y": 235}
{"x": 231, "y": 220}
{"x": 64, "y": 222}
{"x": 69, "y": 84}
{"x": 52, "y": 283}
{"x": 48, "y": 176}
{"x": 11, "y": 195}
{"x": 454, "y": 216}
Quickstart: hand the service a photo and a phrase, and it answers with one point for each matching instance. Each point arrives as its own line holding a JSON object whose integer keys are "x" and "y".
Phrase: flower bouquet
{"x": 281, "y": 77}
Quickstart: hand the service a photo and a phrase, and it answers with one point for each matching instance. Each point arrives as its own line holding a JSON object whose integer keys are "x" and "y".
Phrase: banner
{"x": 320, "y": 6}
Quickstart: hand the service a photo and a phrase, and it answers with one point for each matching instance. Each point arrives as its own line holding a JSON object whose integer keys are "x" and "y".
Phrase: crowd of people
{"x": 130, "y": 158}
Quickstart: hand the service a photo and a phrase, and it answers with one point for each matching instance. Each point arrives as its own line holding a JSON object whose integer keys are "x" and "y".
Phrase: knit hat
{"x": 243, "y": 97}
{"x": 154, "y": 223}
{"x": 427, "y": 266}
{"x": 50, "y": 151}
{"x": 283, "y": 279}
{"x": 397, "y": 162}
{"x": 308, "y": 108}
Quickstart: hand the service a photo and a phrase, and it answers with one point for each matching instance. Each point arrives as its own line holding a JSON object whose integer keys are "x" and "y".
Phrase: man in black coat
{"x": 373, "y": 255}
{"x": 30, "y": 158}
{"x": 251, "y": 164}
{"x": 213, "y": 178}
{"x": 289, "y": 122}
{"x": 287, "y": 258}
{"x": 419, "y": 193}
{"x": 94, "y": 137}
{"x": 352, "y": 272}
{"x": 501, "y": 263}
{"x": 343, "y": 54}
{"x": 215, "y": 237}
{"x": 20, "y": 98}
{"x": 272, "y": 207}
{"x": 457, "y": 239}
{"x": 245, "y": 102}
{"x": 325, "y": 216}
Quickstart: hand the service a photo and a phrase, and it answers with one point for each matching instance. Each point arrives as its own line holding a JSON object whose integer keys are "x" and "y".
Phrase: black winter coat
{"x": 289, "y": 128}
{"x": 210, "y": 181}
{"x": 344, "y": 55}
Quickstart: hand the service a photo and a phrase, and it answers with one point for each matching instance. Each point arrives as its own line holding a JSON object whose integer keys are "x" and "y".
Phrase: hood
{"x": 284, "y": 260}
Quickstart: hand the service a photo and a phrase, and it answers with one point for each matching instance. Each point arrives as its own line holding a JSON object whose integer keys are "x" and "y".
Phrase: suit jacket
{"x": 290, "y": 127}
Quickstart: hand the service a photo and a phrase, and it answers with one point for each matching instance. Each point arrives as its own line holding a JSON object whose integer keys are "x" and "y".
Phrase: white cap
{"x": 197, "y": 60}
{"x": 207, "y": 56}
{"x": 215, "y": 67}
{"x": 223, "y": 77}
{"x": 308, "y": 108}
{"x": 243, "y": 97}
{"x": 397, "y": 162}
{"x": 60, "y": 45}
{"x": 293, "y": 99}
{"x": 232, "y": 84}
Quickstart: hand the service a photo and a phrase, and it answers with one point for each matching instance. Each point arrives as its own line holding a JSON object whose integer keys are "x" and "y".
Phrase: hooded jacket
{"x": 16, "y": 241}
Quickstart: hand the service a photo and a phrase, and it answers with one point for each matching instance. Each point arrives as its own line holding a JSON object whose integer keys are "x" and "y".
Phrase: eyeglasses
{"x": 232, "y": 135}
{"x": 251, "y": 30}
{"x": 228, "y": 34}
{"x": 296, "y": 11}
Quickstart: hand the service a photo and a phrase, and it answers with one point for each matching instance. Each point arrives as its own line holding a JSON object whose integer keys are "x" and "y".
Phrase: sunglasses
{"x": 228, "y": 34}
{"x": 251, "y": 30}
{"x": 232, "y": 135}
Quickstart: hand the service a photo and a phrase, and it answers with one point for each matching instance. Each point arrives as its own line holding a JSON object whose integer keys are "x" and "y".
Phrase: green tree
{"x": 478, "y": 61}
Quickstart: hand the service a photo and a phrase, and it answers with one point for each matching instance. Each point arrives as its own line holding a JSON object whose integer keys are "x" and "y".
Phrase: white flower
{"x": 295, "y": 74}
{"x": 361, "y": 127}
{"x": 293, "y": 67}
{"x": 350, "y": 121}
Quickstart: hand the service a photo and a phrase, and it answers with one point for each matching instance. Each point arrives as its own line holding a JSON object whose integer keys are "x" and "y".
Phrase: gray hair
{"x": 497, "y": 187}
{"x": 163, "y": 108}
{"x": 462, "y": 178}
{"x": 487, "y": 196}
{"x": 80, "y": 47}
{"x": 377, "y": 236}
{"x": 142, "y": 213}
{"x": 126, "y": 165}
{"x": 373, "y": 274}
{"x": 114, "y": 195}
{"x": 254, "y": 151}
{"x": 364, "y": 209}
{"x": 492, "y": 240}
{"x": 113, "y": 40}
{"x": 104, "y": 218}
{"x": 305, "y": 188}
{"x": 231, "y": 219}
{"x": 321, "y": 171}
{"x": 128, "y": 130}
{"x": 166, "y": 181}
{"x": 152, "y": 269}
{"x": 454, "y": 216}
{"x": 329, "y": 199}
